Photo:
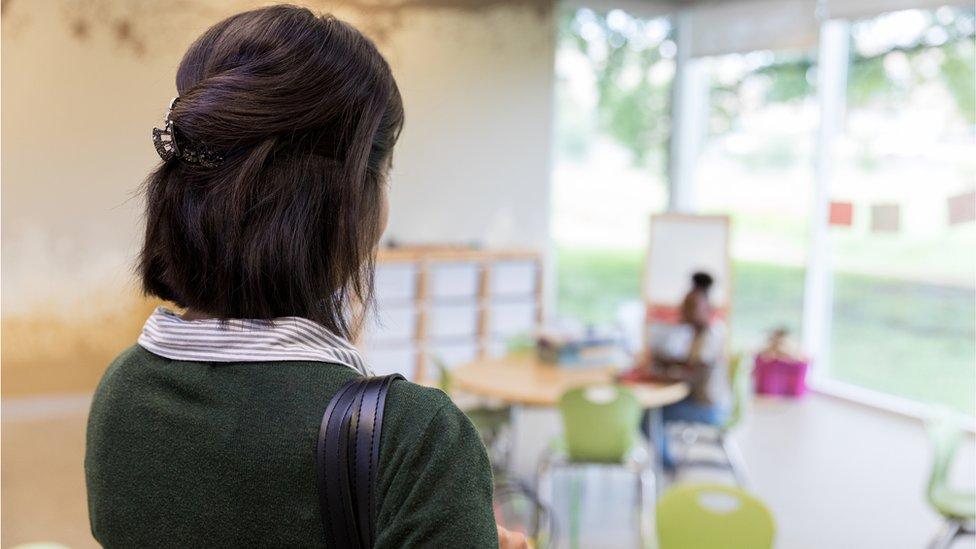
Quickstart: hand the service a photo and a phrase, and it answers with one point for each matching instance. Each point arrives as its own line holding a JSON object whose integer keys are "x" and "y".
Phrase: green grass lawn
{"x": 908, "y": 339}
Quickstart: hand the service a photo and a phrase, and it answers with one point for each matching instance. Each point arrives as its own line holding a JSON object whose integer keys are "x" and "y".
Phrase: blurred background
{"x": 829, "y": 146}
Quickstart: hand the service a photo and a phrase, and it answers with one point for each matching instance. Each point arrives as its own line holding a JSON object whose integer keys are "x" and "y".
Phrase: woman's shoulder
{"x": 121, "y": 370}
{"x": 288, "y": 383}
{"x": 412, "y": 408}
{"x": 435, "y": 477}
{"x": 407, "y": 395}
{"x": 302, "y": 388}
{"x": 423, "y": 424}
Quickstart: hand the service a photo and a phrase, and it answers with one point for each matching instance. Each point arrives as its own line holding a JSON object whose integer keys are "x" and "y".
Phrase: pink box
{"x": 780, "y": 376}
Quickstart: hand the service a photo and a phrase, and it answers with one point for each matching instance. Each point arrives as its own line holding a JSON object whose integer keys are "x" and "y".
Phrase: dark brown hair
{"x": 305, "y": 113}
{"x": 702, "y": 281}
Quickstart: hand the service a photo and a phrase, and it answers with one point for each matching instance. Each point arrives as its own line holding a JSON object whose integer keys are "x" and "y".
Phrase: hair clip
{"x": 166, "y": 146}
{"x": 165, "y": 139}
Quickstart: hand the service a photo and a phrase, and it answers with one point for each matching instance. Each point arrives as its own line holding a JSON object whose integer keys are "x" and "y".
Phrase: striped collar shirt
{"x": 289, "y": 338}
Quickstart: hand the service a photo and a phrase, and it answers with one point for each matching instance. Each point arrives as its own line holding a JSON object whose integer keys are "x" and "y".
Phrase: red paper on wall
{"x": 841, "y": 214}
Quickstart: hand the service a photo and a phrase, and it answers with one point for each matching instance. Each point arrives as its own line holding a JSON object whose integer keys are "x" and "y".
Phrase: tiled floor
{"x": 836, "y": 475}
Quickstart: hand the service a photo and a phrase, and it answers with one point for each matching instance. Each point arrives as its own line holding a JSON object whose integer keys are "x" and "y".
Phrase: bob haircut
{"x": 304, "y": 112}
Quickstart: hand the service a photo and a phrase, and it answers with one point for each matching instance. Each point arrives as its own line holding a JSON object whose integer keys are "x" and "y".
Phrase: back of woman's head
{"x": 303, "y": 113}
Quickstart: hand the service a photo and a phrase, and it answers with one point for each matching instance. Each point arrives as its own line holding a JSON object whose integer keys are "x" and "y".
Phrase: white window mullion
{"x": 832, "y": 65}
{"x": 689, "y": 117}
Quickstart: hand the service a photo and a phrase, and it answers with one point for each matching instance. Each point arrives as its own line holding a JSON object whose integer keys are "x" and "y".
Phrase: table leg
{"x": 656, "y": 434}
{"x": 512, "y": 436}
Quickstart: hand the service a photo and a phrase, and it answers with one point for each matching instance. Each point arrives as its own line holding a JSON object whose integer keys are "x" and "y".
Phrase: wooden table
{"x": 525, "y": 380}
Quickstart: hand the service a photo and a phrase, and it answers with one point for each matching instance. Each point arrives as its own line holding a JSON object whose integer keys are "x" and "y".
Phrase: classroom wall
{"x": 84, "y": 82}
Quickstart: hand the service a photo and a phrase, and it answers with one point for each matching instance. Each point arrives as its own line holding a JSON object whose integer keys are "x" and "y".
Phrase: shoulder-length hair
{"x": 304, "y": 112}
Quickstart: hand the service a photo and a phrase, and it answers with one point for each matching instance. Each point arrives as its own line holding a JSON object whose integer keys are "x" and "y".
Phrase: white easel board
{"x": 681, "y": 245}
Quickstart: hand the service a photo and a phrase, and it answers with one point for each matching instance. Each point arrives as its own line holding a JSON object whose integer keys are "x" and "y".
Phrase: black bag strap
{"x": 347, "y": 460}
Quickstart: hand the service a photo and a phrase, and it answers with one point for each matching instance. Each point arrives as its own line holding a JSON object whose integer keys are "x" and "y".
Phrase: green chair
{"x": 712, "y": 516}
{"x": 740, "y": 378}
{"x": 957, "y": 507}
{"x": 600, "y": 428}
{"x": 599, "y": 423}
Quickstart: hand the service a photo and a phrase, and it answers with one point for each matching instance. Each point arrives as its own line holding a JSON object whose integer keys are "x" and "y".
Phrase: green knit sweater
{"x": 198, "y": 454}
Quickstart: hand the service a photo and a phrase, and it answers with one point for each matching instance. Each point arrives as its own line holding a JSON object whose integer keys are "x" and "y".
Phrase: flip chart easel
{"x": 680, "y": 245}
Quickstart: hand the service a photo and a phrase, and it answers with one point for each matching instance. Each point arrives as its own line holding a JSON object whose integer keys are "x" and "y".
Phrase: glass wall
{"x": 614, "y": 75}
{"x": 904, "y": 252}
{"x": 902, "y": 238}
{"x": 755, "y": 165}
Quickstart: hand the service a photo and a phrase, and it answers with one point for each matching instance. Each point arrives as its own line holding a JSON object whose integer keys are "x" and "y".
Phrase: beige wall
{"x": 83, "y": 83}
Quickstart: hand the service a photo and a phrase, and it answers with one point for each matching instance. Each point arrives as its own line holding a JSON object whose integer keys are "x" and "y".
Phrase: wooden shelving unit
{"x": 457, "y": 304}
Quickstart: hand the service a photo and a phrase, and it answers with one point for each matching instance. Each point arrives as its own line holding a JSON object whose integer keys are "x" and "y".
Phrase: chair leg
{"x": 656, "y": 436}
{"x": 575, "y": 502}
{"x": 644, "y": 530}
{"x": 734, "y": 458}
{"x": 943, "y": 540}
{"x": 640, "y": 512}
{"x": 503, "y": 445}
{"x": 541, "y": 483}
{"x": 497, "y": 445}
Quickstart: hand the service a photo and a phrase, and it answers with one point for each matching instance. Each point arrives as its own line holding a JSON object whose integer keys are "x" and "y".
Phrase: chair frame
{"x": 946, "y": 439}
{"x": 720, "y": 437}
{"x": 639, "y": 462}
{"x": 952, "y": 529}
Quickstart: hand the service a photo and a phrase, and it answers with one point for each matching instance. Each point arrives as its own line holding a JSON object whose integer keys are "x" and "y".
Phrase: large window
{"x": 755, "y": 165}
{"x": 900, "y": 299}
{"x": 905, "y": 259}
{"x": 614, "y": 75}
